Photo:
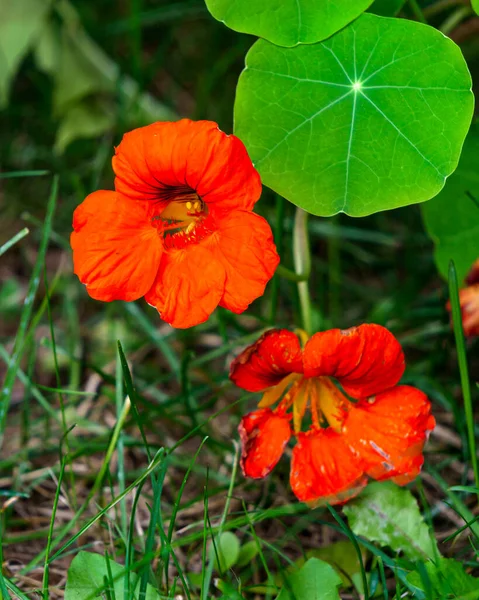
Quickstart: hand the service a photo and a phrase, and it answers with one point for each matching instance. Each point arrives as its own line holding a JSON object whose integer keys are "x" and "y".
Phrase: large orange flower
{"x": 372, "y": 427}
{"x": 179, "y": 227}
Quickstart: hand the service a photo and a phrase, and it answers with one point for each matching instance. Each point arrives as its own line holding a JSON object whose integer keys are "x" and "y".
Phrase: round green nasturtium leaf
{"x": 475, "y": 6}
{"x": 371, "y": 119}
{"x": 287, "y": 22}
{"x": 227, "y": 551}
{"x": 452, "y": 218}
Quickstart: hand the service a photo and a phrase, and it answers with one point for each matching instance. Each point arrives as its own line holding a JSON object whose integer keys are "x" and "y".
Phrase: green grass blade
{"x": 27, "y": 310}
{"x": 12, "y": 241}
{"x": 15, "y": 174}
{"x": 46, "y": 569}
{"x": 463, "y": 369}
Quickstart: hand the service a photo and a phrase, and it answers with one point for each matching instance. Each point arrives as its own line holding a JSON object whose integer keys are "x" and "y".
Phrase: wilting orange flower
{"x": 372, "y": 427}
{"x": 469, "y": 302}
{"x": 179, "y": 227}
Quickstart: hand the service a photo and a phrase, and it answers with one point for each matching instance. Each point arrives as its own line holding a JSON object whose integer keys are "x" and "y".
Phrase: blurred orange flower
{"x": 371, "y": 427}
{"x": 469, "y": 302}
{"x": 179, "y": 227}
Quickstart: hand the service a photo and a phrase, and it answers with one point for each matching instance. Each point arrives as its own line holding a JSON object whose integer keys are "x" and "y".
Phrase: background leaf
{"x": 87, "y": 573}
{"x": 287, "y": 22}
{"x": 389, "y": 515}
{"x": 371, "y": 119}
{"x": 475, "y": 5}
{"x": 447, "y": 579}
{"x": 316, "y": 580}
{"x": 452, "y": 219}
{"x": 247, "y": 553}
{"x": 228, "y": 549}
{"x": 21, "y": 21}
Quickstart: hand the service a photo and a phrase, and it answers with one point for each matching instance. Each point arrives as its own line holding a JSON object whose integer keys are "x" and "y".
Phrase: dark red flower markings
{"x": 179, "y": 229}
{"x": 380, "y": 434}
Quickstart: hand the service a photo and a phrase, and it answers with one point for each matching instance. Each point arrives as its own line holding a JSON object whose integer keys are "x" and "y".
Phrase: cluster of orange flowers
{"x": 179, "y": 229}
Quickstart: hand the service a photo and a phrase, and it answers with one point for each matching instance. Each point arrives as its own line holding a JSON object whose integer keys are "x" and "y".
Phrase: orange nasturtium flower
{"x": 469, "y": 302}
{"x": 371, "y": 428}
{"x": 179, "y": 227}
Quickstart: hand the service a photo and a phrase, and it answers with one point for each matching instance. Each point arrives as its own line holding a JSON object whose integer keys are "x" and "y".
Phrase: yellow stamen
{"x": 190, "y": 227}
{"x": 332, "y": 402}
{"x": 315, "y": 412}
{"x": 299, "y": 404}
{"x": 303, "y": 336}
{"x": 273, "y": 394}
{"x": 196, "y": 205}
{"x": 189, "y": 205}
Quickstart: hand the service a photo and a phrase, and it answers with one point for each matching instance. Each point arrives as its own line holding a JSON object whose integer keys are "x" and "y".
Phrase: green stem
{"x": 278, "y": 238}
{"x": 463, "y": 369}
{"x": 416, "y": 9}
{"x": 290, "y": 275}
{"x": 455, "y": 19}
{"x": 440, "y": 6}
{"x": 302, "y": 265}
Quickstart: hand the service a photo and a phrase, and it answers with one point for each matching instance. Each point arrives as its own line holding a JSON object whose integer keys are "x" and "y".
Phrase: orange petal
{"x": 188, "y": 286}
{"x": 245, "y": 248}
{"x": 365, "y": 360}
{"x": 188, "y": 153}
{"x": 324, "y": 468}
{"x": 469, "y": 301}
{"x": 264, "y": 435}
{"x": 116, "y": 251}
{"x": 389, "y": 431}
{"x": 265, "y": 363}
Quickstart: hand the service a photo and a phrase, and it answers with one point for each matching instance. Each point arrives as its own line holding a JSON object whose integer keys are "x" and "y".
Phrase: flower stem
{"x": 455, "y": 19}
{"x": 416, "y": 9}
{"x": 302, "y": 265}
{"x": 463, "y": 368}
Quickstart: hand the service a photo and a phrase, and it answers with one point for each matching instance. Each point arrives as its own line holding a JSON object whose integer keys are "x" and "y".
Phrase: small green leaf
{"x": 287, "y": 22}
{"x": 316, "y": 580}
{"x": 446, "y": 579}
{"x": 386, "y": 8}
{"x": 247, "y": 553}
{"x": 21, "y": 22}
{"x": 343, "y": 557}
{"x": 452, "y": 218}
{"x": 228, "y": 549}
{"x": 86, "y": 577}
{"x": 389, "y": 515}
{"x": 475, "y": 6}
{"x": 371, "y": 119}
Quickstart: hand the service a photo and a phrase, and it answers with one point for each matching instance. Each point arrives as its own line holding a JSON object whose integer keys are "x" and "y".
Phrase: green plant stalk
{"x": 175, "y": 510}
{"x": 46, "y": 569}
{"x": 463, "y": 369}
{"x": 278, "y": 238}
{"x": 455, "y": 19}
{"x": 16, "y": 238}
{"x": 440, "y": 6}
{"x": 60, "y": 395}
{"x": 209, "y": 571}
{"x": 416, "y": 9}
{"x": 302, "y": 265}
{"x": 120, "y": 448}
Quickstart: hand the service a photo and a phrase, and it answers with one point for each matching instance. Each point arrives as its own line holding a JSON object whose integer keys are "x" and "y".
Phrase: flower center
{"x": 184, "y": 218}
{"x": 327, "y": 404}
